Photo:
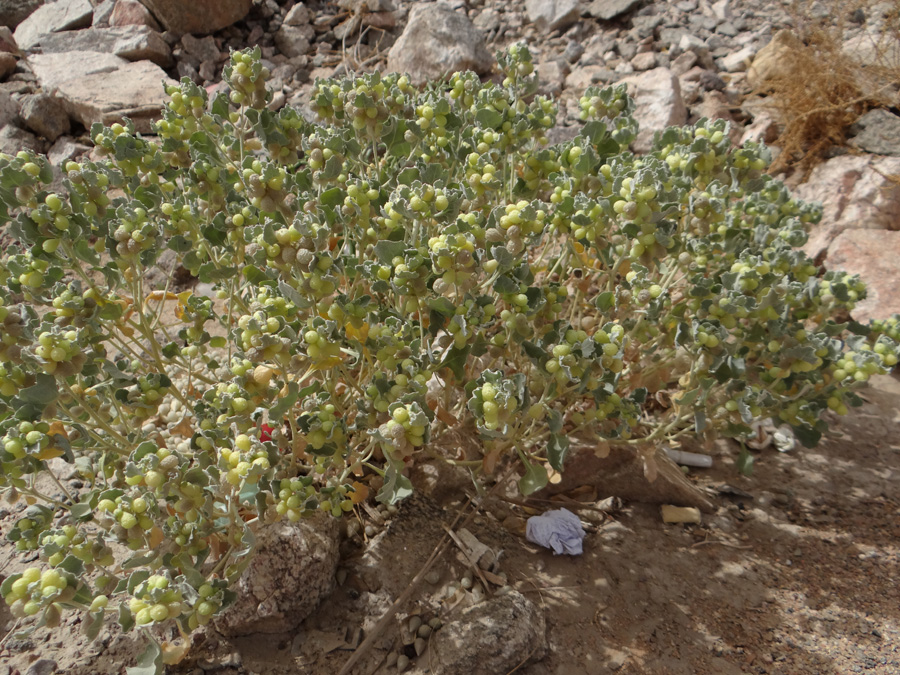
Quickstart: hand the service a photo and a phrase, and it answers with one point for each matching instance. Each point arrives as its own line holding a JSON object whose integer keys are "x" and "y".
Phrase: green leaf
{"x": 209, "y": 273}
{"x": 687, "y": 398}
{"x": 148, "y": 663}
{"x": 557, "y": 449}
{"x": 534, "y": 479}
{"x": 808, "y": 436}
{"x": 179, "y": 244}
{"x": 604, "y": 301}
{"x": 285, "y": 402}
{"x": 455, "y": 360}
{"x": 488, "y": 118}
{"x": 386, "y": 250}
{"x": 396, "y": 486}
{"x": 745, "y": 461}
{"x": 43, "y": 392}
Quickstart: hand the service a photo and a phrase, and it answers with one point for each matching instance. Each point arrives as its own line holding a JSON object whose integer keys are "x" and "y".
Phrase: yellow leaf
{"x": 174, "y": 652}
{"x": 156, "y": 537}
{"x": 50, "y": 452}
{"x": 182, "y": 299}
{"x": 57, "y": 428}
{"x": 360, "y": 492}
{"x": 361, "y": 333}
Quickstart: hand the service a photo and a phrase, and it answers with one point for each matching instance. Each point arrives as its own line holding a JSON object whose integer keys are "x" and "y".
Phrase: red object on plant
{"x": 266, "y": 433}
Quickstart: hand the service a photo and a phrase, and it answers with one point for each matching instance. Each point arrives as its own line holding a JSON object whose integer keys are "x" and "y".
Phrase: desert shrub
{"x": 422, "y": 259}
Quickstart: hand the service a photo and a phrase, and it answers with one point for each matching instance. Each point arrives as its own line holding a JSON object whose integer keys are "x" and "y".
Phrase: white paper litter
{"x": 560, "y": 530}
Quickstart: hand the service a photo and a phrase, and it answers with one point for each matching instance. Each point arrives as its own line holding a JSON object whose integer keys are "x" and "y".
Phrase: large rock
{"x": 610, "y": 9}
{"x": 292, "y": 570}
{"x": 873, "y": 255}
{"x": 856, "y": 193}
{"x": 198, "y": 17}
{"x": 13, "y": 139}
{"x": 52, "y": 18}
{"x": 874, "y": 48}
{"x": 773, "y": 62}
{"x": 495, "y": 636}
{"x": 292, "y": 41}
{"x": 657, "y": 97}
{"x": 8, "y": 64}
{"x": 134, "y": 43}
{"x": 9, "y": 109}
{"x": 14, "y": 12}
{"x": 131, "y": 13}
{"x": 97, "y": 87}
{"x": 45, "y": 116}
{"x": 878, "y": 132}
{"x": 436, "y": 43}
{"x": 548, "y": 15}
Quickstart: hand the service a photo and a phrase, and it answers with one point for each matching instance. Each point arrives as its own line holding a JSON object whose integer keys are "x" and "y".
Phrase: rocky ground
{"x": 792, "y": 570}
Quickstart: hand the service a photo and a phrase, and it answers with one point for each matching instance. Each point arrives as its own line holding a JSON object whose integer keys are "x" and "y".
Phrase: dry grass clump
{"x": 821, "y": 88}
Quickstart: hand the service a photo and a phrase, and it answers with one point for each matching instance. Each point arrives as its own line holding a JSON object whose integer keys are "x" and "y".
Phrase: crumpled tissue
{"x": 560, "y": 530}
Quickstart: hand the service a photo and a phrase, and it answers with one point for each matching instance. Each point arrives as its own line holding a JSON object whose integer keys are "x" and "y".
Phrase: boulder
{"x": 132, "y": 13}
{"x": 202, "y": 49}
{"x": 657, "y": 97}
{"x": 773, "y": 62}
{"x": 873, "y": 255}
{"x": 198, "y": 17}
{"x": 9, "y": 109}
{"x": 878, "y": 132}
{"x": 66, "y": 149}
{"x": 292, "y": 570}
{"x": 292, "y": 41}
{"x": 14, "y": 12}
{"x": 134, "y": 43}
{"x": 45, "y": 116}
{"x": 856, "y": 193}
{"x": 102, "y": 13}
{"x": 52, "y": 18}
{"x": 610, "y": 9}
{"x": 549, "y": 15}
{"x": 874, "y": 48}
{"x": 13, "y": 139}
{"x": 7, "y": 41}
{"x": 437, "y": 42}
{"x": 552, "y": 76}
{"x": 298, "y": 15}
{"x": 495, "y": 636}
{"x": 7, "y": 64}
{"x": 97, "y": 87}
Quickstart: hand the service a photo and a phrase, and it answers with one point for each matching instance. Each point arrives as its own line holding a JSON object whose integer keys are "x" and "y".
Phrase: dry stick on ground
{"x": 405, "y": 595}
{"x": 468, "y": 554}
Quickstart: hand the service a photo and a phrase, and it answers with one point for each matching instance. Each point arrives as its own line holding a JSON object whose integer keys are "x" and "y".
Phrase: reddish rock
{"x": 873, "y": 255}
{"x": 657, "y": 97}
{"x": 7, "y": 64}
{"x": 132, "y": 13}
{"x": 856, "y": 193}
{"x": 198, "y": 17}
